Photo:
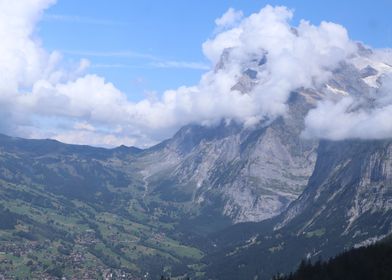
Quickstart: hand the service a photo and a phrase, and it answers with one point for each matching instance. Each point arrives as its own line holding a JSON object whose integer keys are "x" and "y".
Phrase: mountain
{"x": 220, "y": 201}
{"x": 248, "y": 174}
{"x": 351, "y": 181}
{"x": 346, "y": 204}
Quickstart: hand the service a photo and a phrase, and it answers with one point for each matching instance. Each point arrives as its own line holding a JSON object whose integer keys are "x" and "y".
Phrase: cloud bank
{"x": 368, "y": 117}
{"x": 41, "y": 96}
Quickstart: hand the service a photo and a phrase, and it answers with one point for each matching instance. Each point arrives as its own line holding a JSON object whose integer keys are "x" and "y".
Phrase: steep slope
{"x": 367, "y": 263}
{"x": 347, "y": 203}
{"x": 251, "y": 173}
{"x": 353, "y": 179}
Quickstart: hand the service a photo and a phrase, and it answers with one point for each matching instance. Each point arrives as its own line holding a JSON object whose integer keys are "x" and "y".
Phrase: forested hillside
{"x": 367, "y": 263}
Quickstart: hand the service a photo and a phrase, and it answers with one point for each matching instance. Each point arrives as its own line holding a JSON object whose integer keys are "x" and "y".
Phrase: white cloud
{"x": 229, "y": 19}
{"x": 22, "y": 59}
{"x": 39, "y": 97}
{"x": 86, "y": 137}
{"x": 300, "y": 58}
{"x": 353, "y": 117}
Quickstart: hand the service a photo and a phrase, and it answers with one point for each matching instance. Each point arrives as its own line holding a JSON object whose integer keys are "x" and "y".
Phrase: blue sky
{"x": 144, "y": 46}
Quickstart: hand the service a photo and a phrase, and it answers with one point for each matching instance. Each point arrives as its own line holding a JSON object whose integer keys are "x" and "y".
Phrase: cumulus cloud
{"x": 230, "y": 18}
{"x": 40, "y": 97}
{"x": 303, "y": 56}
{"x": 350, "y": 117}
{"x": 22, "y": 58}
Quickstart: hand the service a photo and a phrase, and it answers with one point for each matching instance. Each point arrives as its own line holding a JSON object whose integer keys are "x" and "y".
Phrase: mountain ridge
{"x": 213, "y": 200}
{"x": 346, "y": 204}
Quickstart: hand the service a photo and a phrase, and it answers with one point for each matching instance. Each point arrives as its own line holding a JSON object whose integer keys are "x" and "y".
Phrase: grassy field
{"x": 53, "y": 236}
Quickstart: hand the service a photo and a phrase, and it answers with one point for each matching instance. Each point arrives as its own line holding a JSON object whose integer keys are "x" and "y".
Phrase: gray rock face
{"x": 368, "y": 71}
{"x": 254, "y": 172}
{"x": 249, "y": 173}
{"x": 347, "y": 203}
{"x": 351, "y": 189}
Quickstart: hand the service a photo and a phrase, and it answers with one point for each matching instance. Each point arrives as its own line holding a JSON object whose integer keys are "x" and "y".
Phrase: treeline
{"x": 367, "y": 263}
